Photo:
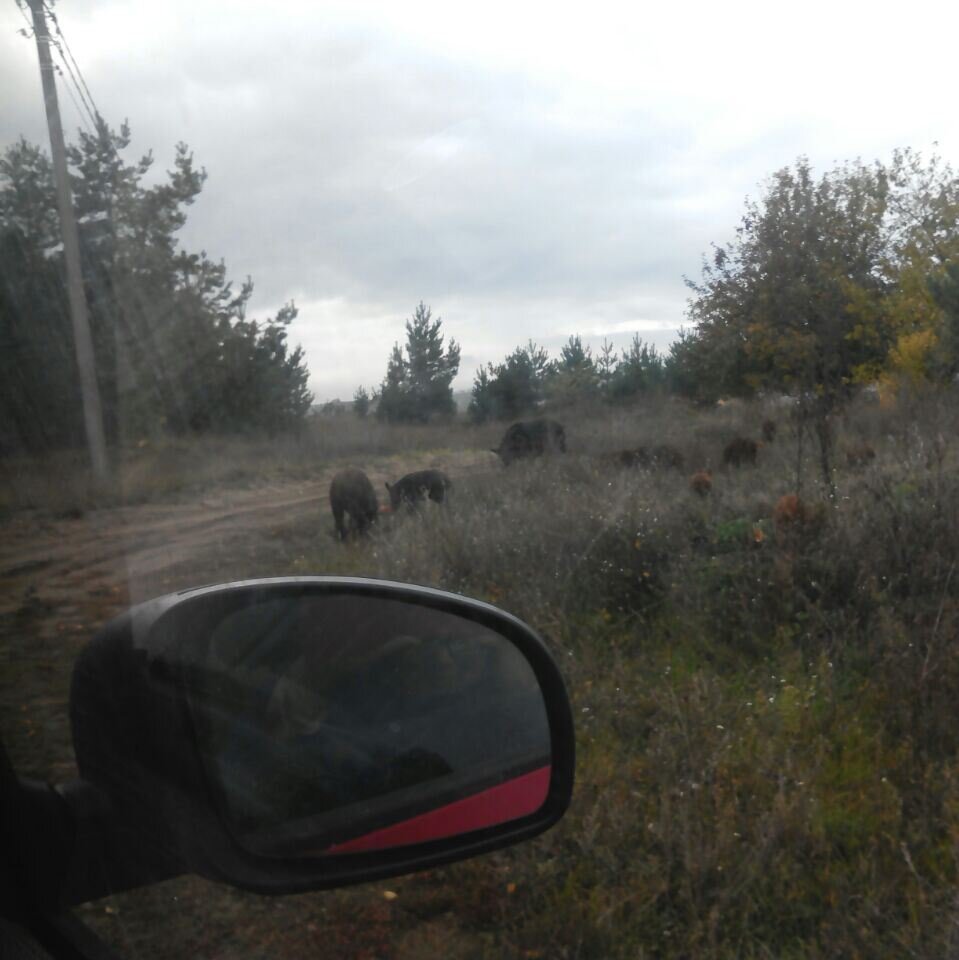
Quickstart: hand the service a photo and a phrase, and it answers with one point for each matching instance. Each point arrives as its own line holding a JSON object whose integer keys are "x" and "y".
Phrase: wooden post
{"x": 82, "y": 340}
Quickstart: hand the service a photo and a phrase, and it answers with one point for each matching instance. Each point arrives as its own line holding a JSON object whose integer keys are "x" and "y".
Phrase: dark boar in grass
{"x": 531, "y": 438}
{"x": 612, "y": 459}
{"x": 353, "y": 502}
{"x": 860, "y": 455}
{"x": 740, "y": 452}
{"x": 416, "y": 487}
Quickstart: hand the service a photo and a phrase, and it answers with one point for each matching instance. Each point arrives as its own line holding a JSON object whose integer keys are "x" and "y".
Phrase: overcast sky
{"x": 528, "y": 170}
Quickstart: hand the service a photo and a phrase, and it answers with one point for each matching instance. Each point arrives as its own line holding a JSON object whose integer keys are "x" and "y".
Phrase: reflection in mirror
{"x": 341, "y": 723}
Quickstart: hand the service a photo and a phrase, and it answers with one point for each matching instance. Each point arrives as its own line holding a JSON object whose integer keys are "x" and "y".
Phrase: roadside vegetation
{"x": 179, "y": 469}
{"x": 764, "y": 699}
{"x": 765, "y": 703}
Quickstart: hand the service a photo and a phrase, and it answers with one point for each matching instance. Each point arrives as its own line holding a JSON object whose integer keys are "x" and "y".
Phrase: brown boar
{"x": 419, "y": 486}
{"x": 531, "y": 438}
{"x": 353, "y": 502}
{"x": 740, "y": 451}
{"x": 701, "y": 482}
{"x": 860, "y": 455}
{"x": 795, "y": 518}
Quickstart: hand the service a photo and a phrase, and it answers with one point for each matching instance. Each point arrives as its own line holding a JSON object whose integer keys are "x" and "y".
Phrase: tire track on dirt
{"x": 129, "y": 545}
{"x": 61, "y": 579}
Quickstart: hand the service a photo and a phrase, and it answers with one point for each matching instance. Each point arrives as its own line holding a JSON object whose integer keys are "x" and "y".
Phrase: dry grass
{"x": 769, "y": 758}
{"x": 172, "y": 469}
{"x": 768, "y": 753}
{"x": 155, "y": 470}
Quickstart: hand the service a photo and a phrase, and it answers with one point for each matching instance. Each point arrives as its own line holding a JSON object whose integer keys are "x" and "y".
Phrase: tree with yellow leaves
{"x": 793, "y": 302}
{"x": 832, "y": 281}
{"x": 923, "y": 248}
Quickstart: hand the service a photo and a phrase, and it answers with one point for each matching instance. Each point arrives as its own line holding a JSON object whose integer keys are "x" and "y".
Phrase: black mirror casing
{"x": 137, "y": 745}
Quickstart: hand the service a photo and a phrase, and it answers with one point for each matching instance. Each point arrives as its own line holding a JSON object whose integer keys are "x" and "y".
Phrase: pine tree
{"x": 513, "y": 387}
{"x": 606, "y": 366}
{"x": 174, "y": 348}
{"x": 641, "y": 370}
{"x": 574, "y": 379}
{"x": 361, "y": 402}
{"x": 395, "y": 391}
{"x": 481, "y": 399}
{"x": 418, "y": 386}
{"x": 431, "y": 369}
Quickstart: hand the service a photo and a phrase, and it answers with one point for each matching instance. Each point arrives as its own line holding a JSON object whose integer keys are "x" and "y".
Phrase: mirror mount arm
{"x": 64, "y": 849}
{"x": 39, "y": 839}
{"x": 108, "y": 854}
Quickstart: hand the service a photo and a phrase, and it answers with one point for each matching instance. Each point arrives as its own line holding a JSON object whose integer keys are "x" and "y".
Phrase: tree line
{"x": 418, "y": 382}
{"x": 832, "y": 281}
{"x": 528, "y": 378}
{"x": 175, "y": 348}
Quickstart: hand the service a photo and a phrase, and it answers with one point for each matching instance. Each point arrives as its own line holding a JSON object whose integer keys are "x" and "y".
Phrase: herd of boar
{"x": 355, "y": 506}
{"x": 353, "y": 499}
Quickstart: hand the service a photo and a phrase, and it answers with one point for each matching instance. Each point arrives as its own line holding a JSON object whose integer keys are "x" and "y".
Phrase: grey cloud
{"x": 302, "y": 137}
{"x": 346, "y": 169}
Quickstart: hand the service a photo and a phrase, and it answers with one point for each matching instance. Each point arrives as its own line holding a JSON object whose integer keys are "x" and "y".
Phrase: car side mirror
{"x": 306, "y": 733}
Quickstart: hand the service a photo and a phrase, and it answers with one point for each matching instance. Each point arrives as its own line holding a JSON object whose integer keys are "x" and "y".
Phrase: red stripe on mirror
{"x": 516, "y": 798}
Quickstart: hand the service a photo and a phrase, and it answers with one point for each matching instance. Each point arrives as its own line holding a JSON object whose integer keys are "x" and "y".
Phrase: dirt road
{"x": 60, "y": 579}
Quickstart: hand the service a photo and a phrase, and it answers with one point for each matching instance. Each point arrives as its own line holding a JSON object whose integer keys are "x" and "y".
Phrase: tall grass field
{"x": 765, "y": 679}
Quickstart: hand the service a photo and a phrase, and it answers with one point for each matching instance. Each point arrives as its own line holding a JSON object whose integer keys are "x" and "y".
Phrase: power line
{"x": 76, "y": 86}
{"x": 23, "y": 13}
{"x": 76, "y": 77}
{"x": 87, "y": 103}
{"x": 56, "y": 24}
{"x": 77, "y": 107}
{"x": 83, "y": 111}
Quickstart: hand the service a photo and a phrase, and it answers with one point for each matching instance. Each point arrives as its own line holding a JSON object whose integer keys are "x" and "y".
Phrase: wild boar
{"x": 860, "y": 455}
{"x": 793, "y": 518}
{"x": 740, "y": 451}
{"x": 701, "y": 482}
{"x": 352, "y": 495}
{"x": 531, "y": 438}
{"x": 417, "y": 487}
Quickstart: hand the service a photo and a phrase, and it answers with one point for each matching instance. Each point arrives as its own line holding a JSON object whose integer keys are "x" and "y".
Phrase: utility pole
{"x": 83, "y": 342}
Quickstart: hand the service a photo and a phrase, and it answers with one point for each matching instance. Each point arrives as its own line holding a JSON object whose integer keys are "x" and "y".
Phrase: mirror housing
{"x": 153, "y": 724}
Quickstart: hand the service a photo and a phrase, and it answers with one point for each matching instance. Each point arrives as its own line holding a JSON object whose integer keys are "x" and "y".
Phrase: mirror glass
{"x": 340, "y": 723}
